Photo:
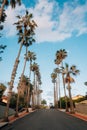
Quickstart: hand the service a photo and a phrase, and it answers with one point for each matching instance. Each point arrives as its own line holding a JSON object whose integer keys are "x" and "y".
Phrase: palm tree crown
{"x": 70, "y": 71}
{"x": 26, "y": 27}
{"x": 61, "y": 54}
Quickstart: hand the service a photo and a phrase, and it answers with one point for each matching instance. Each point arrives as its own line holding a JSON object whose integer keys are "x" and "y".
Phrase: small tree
{"x": 43, "y": 102}
{"x": 2, "y": 89}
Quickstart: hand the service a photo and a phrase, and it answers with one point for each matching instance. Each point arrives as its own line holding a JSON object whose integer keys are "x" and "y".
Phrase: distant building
{"x": 77, "y": 97}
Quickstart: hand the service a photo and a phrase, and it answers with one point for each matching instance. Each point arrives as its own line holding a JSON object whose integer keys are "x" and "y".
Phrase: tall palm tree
{"x": 26, "y": 27}
{"x": 68, "y": 79}
{"x": 54, "y": 76}
{"x": 60, "y": 56}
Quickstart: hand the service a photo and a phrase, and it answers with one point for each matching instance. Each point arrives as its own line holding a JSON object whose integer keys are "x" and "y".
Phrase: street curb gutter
{"x": 3, "y": 124}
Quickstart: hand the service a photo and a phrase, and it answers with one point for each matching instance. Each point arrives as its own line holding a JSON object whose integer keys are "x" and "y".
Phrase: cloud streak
{"x": 55, "y": 23}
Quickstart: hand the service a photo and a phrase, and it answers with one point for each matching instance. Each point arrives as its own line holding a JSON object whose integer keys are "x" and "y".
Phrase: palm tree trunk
{"x": 30, "y": 70}
{"x": 29, "y": 97}
{"x": 56, "y": 91}
{"x": 33, "y": 99}
{"x": 12, "y": 82}
{"x": 25, "y": 61}
{"x": 28, "y": 91}
{"x": 37, "y": 88}
{"x": 54, "y": 96}
{"x": 34, "y": 90}
{"x": 65, "y": 92}
{"x": 2, "y": 8}
{"x": 70, "y": 97}
{"x": 38, "y": 95}
{"x": 16, "y": 113}
{"x": 19, "y": 85}
{"x": 7, "y": 107}
{"x": 33, "y": 94}
{"x": 59, "y": 91}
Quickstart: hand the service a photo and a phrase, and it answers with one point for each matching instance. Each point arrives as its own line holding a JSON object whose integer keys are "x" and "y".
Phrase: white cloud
{"x": 54, "y": 23}
{"x": 10, "y": 29}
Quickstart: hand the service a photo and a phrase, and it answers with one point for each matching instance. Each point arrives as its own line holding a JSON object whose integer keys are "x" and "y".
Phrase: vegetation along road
{"x": 50, "y": 119}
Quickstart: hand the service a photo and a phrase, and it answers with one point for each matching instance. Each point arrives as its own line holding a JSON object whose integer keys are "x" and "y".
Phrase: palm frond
{"x": 85, "y": 83}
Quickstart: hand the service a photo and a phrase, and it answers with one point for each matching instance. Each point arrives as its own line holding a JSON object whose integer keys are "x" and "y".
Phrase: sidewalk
{"x": 78, "y": 115}
{"x": 13, "y": 118}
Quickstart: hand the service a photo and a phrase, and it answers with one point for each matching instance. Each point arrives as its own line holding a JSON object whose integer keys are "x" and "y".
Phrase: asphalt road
{"x": 47, "y": 120}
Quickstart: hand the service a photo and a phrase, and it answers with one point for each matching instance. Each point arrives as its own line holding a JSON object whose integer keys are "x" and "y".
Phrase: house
{"x": 77, "y": 97}
{"x": 4, "y": 99}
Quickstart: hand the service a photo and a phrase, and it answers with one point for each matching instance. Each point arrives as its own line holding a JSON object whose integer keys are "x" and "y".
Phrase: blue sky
{"x": 61, "y": 24}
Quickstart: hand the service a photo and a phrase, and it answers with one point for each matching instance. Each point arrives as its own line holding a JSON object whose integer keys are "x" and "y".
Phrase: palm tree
{"x": 68, "y": 79}
{"x": 54, "y": 76}
{"x": 60, "y": 56}
{"x": 58, "y": 71}
{"x": 25, "y": 27}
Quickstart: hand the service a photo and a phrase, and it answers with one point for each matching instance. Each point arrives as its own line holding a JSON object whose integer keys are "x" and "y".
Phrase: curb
{"x": 3, "y": 124}
{"x": 78, "y": 115}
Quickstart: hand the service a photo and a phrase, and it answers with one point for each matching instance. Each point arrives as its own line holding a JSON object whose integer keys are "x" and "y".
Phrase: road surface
{"x": 50, "y": 119}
